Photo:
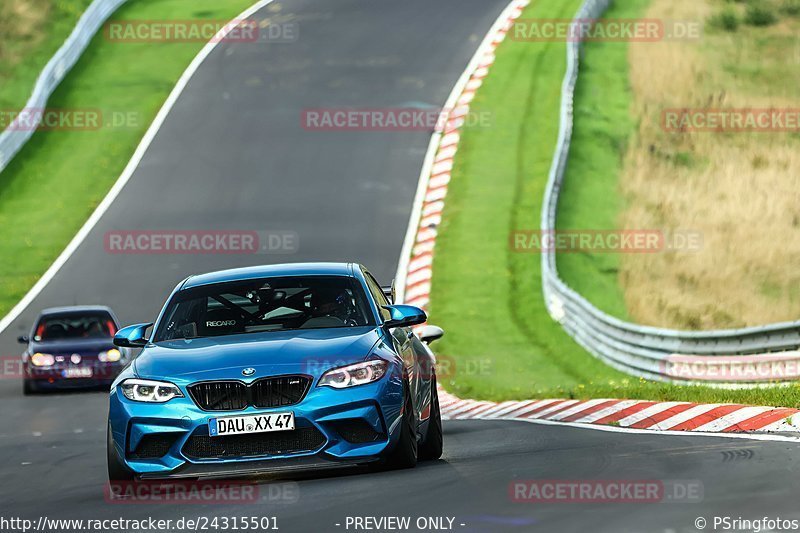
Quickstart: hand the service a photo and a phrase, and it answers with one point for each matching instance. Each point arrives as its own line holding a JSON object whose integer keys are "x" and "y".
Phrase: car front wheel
{"x": 29, "y": 387}
{"x": 431, "y": 447}
{"x": 404, "y": 454}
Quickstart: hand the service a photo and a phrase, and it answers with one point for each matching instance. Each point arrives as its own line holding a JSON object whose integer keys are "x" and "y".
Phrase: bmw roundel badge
{"x": 248, "y": 371}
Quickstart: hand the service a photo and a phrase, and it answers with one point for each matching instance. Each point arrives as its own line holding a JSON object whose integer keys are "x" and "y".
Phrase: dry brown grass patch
{"x": 21, "y": 24}
{"x": 740, "y": 190}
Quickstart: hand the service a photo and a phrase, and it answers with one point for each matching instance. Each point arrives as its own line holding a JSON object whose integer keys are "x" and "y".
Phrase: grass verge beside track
{"x": 71, "y": 171}
{"x": 487, "y": 297}
{"x": 590, "y": 198}
{"x": 629, "y": 170}
{"x": 31, "y": 31}
{"x": 500, "y": 339}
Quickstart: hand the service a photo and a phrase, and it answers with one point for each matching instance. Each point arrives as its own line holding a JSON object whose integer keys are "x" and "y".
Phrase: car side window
{"x": 377, "y": 294}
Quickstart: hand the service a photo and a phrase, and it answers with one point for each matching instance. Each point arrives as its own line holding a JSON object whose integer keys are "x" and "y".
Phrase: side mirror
{"x": 404, "y": 316}
{"x": 23, "y": 339}
{"x": 132, "y": 336}
{"x": 429, "y": 333}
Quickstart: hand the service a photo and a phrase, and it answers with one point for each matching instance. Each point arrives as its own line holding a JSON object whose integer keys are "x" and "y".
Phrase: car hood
{"x": 84, "y": 347}
{"x": 308, "y": 352}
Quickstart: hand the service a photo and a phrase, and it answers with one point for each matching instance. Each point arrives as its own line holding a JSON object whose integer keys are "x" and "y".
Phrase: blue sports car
{"x": 71, "y": 347}
{"x": 275, "y": 368}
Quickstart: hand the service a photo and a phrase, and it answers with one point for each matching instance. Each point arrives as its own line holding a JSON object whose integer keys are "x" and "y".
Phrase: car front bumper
{"x": 55, "y": 377}
{"x": 333, "y": 428}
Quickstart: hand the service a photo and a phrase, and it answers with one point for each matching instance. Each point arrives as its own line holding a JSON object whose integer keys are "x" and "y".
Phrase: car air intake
{"x": 153, "y": 446}
{"x": 234, "y": 395}
{"x": 357, "y": 431}
{"x": 303, "y": 439}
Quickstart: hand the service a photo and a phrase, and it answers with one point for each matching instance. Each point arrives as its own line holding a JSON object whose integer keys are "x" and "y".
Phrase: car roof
{"x": 76, "y": 309}
{"x": 255, "y": 272}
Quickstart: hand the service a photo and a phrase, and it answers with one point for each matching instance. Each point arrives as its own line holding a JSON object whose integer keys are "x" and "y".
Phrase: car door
{"x": 402, "y": 338}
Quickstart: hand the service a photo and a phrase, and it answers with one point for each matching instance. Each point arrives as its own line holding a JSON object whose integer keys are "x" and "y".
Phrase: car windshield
{"x": 66, "y": 326}
{"x": 265, "y": 304}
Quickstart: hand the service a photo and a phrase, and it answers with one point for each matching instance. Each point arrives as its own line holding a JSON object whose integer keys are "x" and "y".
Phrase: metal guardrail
{"x": 650, "y": 352}
{"x": 14, "y": 138}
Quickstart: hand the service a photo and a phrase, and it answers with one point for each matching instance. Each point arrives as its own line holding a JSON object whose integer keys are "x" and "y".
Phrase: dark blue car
{"x": 273, "y": 368}
{"x": 72, "y": 347}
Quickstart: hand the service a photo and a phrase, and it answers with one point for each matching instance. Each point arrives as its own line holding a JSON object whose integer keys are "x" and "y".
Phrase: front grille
{"x": 277, "y": 392}
{"x": 234, "y": 395}
{"x": 358, "y": 431}
{"x": 153, "y": 446}
{"x": 298, "y": 440}
{"x": 220, "y": 395}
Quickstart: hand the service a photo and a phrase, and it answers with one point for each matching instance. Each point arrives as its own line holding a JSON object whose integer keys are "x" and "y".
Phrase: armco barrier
{"x": 13, "y": 139}
{"x": 650, "y": 352}
{"x": 727, "y": 358}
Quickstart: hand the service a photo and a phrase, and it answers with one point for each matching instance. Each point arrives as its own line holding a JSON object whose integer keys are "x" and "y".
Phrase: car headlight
{"x": 111, "y": 356}
{"x": 43, "y": 359}
{"x": 352, "y": 375}
{"x": 145, "y": 390}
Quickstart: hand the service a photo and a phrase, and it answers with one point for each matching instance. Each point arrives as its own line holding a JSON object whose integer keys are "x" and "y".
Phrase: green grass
{"x": 500, "y": 339}
{"x": 73, "y": 171}
{"x": 590, "y": 199}
{"x": 486, "y": 296}
{"x": 727, "y": 20}
{"x": 24, "y": 56}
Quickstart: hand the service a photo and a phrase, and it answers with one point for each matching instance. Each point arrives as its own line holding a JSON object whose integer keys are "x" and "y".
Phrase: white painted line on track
{"x": 130, "y": 168}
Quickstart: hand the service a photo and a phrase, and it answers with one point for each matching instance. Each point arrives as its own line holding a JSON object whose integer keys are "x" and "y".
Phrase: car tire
{"x": 404, "y": 454}
{"x": 117, "y": 471}
{"x": 432, "y": 444}
{"x": 29, "y": 387}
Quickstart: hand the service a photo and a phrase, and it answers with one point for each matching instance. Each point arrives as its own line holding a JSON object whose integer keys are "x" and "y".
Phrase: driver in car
{"x": 331, "y": 304}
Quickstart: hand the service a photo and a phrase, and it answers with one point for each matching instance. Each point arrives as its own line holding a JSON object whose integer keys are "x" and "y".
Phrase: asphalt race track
{"x": 232, "y": 155}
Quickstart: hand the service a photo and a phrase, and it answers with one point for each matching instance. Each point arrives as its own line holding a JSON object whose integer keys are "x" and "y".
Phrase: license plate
{"x": 77, "y": 372}
{"x": 238, "y": 425}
